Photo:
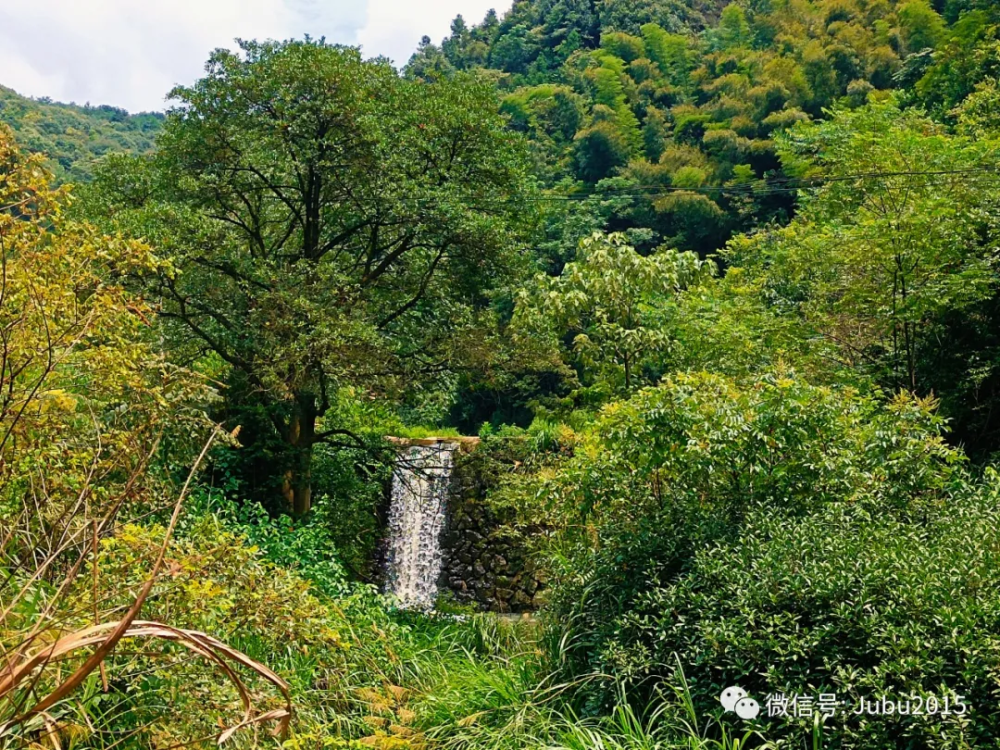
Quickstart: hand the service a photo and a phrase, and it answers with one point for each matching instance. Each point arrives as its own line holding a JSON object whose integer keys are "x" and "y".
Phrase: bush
{"x": 339, "y": 538}
{"x": 304, "y": 546}
{"x": 847, "y": 601}
{"x": 706, "y": 441}
{"x": 329, "y": 651}
{"x": 695, "y": 464}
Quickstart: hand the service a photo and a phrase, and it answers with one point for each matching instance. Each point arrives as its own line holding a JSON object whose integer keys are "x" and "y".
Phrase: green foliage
{"x": 599, "y": 150}
{"x": 969, "y": 55}
{"x": 340, "y": 535}
{"x": 306, "y": 547}
{"x": 704, "y": 440}
{"x": 321, "y": 240}
{"x": 877, "y": 272}
{"x": 921, "y": 27}
{"x": 723, "y": 78}
{"x": 673, "y": 53}
{"x": 611, "y": 302}
{"x": 217, "y": 582}
{"x": 687, "y": 465}
{"x": 74, "y": 139}
{"x": 623, "y": 46}
{"x": 848, "y": 601}
{"x": 87, "y": 398}
{"x": 93, "y": 424}
{"x": 733, "y": 29}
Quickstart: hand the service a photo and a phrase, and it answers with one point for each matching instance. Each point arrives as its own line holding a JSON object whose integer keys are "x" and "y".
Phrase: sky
{"x": 129, "y": 53}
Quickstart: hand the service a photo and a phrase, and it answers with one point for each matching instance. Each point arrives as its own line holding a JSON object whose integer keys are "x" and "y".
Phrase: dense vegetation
{"x": 74, "y": 138}
{"x": 675, "y": 125}
{"x": 715, "y": 283}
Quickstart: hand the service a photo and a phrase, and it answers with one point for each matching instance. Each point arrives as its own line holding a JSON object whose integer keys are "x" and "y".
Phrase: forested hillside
{"x": 673, "y": 123}
{"x": 74, "y": 138}
{"x": 672, "y": 325}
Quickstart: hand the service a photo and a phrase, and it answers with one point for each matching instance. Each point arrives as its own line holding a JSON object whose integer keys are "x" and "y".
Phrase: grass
{"x": 481, "y": 683}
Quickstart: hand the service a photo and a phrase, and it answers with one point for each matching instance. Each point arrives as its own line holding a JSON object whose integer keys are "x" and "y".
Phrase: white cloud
{"x": 395, "y": 27}
{"x": 131, "y": 52}
{"x": 123, "y": 52}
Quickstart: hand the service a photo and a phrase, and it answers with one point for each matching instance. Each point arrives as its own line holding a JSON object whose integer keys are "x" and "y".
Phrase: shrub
{"x": 703, "y": 440}
{"x": 214, "y": 581}
{"x": 847, "y": 601}
{"x": 695, "y": 463}
{"x": 304, "y": 546}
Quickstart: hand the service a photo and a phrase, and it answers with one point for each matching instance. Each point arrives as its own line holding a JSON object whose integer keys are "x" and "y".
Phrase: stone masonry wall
{"x": 483, "y": 564}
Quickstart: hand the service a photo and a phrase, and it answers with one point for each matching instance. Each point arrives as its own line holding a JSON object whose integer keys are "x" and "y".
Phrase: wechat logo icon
{"x": 736, "y": 699}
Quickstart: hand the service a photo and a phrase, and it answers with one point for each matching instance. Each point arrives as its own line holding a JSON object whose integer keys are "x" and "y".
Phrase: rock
{"x": 484, "y": 594}
{"x": 482, "y": 562}
{"x": 521, "y": 599}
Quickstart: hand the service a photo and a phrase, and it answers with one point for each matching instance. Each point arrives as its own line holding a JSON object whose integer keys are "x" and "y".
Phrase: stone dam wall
{"x": 484, "y": 563}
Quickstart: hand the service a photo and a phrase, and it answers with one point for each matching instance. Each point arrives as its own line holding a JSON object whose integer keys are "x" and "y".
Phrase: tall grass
{"x": 670, "y": 723}
{"x": 51, "y": 663}
{"x": 482, "y": 684}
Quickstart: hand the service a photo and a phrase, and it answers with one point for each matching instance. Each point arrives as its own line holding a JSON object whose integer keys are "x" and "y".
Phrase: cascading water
{"x": 416, "y": 519}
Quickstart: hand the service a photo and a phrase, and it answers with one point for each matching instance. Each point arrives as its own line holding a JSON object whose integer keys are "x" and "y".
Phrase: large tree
{"x": 329, "y": 224}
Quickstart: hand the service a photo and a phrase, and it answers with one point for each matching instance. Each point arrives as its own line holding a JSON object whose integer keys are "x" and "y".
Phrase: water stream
{"x": 416, "y": 519}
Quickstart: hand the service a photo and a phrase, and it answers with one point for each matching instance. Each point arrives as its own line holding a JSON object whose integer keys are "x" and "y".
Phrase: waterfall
{"x": 416, "y": 519}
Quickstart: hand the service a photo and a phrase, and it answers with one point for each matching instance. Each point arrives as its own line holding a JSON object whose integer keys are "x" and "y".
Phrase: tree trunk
{"x": 300, "y": 438}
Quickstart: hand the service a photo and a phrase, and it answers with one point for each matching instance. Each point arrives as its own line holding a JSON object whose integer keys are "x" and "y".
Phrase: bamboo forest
{"x": 607, "y": 375}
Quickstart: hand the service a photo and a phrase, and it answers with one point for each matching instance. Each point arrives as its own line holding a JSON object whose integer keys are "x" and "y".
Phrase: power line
{"x": 760, "y": 187}
{"x": 799, "y": 183}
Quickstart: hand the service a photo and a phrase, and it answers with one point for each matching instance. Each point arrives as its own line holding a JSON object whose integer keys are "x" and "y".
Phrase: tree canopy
{"x": 75, "y": 138}
{"x": 327, "y": 223}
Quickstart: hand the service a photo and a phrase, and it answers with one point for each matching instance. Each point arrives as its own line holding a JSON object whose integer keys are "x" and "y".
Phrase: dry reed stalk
{"x": 24, "y": 665}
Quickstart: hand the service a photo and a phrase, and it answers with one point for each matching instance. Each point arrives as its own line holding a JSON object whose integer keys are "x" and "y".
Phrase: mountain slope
{"x": 75, "y": 137}
{"x": 668, "y": 111}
